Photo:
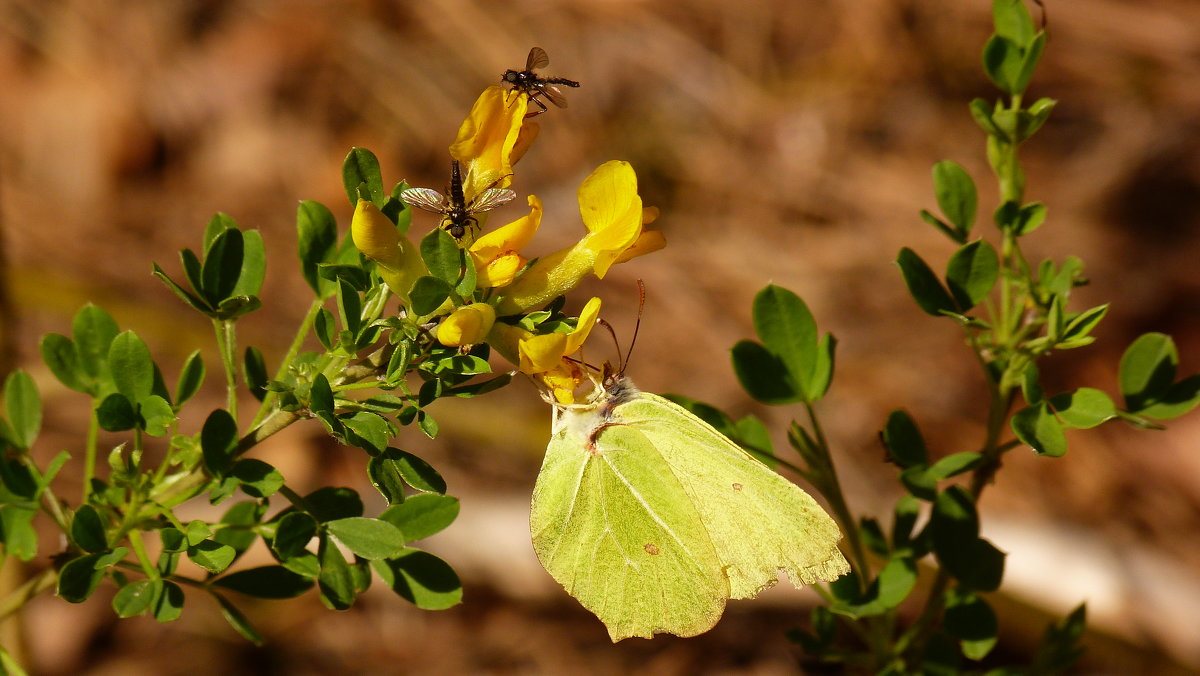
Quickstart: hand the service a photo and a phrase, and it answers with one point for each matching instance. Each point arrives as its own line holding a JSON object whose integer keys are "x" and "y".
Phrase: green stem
{"x": 227, "y": 345}
{"x": 89, "y": 457}
{"x": 284, "y": 366}
{"x": 139, "y": 549}
{"x": 21, "y": 595}
{"x": 832, "y": 490}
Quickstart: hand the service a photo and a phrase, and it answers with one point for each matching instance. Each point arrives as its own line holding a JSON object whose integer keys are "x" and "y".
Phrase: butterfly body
{"x": 652, "y": 519}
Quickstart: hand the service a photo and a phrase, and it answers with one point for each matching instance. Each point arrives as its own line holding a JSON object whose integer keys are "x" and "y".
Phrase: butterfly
{"x": 652, "y": 519}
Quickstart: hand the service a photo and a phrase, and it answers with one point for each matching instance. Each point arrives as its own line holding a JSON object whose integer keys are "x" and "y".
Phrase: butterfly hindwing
{"x": 759, "y": 522}
{"x": 612, "y": 524}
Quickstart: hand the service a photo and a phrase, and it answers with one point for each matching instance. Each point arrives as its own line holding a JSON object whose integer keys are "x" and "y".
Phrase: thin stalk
{"x": 832, "y": 490}
{"x": 89, "y": 453}
{"x": 297, "y": 342}
{"x": 227, "y": 345}
{"x": 18, "y": 597}
{"x": 139, "y": 549}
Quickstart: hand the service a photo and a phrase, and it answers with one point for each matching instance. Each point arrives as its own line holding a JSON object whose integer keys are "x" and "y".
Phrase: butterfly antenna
{"x": 637, "y": 325}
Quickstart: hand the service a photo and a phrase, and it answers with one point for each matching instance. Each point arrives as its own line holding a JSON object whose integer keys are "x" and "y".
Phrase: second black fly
{"x": 459, "y": 214}
{"x": 535, "y": 86}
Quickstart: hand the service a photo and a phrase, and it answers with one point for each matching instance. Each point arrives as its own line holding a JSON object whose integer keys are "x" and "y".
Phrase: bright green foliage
{"x": 652, "y": 519}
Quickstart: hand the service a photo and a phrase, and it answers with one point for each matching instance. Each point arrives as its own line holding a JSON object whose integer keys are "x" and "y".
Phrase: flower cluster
{"x": 508, "y": 288}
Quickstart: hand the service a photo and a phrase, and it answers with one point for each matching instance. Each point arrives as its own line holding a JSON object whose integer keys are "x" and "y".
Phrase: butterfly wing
{"x": 758, "y": 521}
{"x": 613, "y": 525}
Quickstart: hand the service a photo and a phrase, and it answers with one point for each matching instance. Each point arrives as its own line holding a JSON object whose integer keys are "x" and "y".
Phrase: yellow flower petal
{"x": 496, "y": 254}
{"x": 651, "y": 240}
{"x": 542, "y": 353}
{"x": 374, "y": 235}
{"x": 607, "y": 194}
{"x": 467, "y": 325}
{"x": 486, "y": 140}
{"x": 587, "y": 319}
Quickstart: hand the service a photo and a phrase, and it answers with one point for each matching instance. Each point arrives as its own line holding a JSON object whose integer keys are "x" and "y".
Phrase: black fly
{"x": 535, "y": 86}
{"x": 457, "y": 211}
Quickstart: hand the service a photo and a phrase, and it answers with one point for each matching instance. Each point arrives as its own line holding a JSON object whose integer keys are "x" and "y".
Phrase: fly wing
{"x": 554, "y": 94}
{"x": 537, "y": 59}
{"x": 490, "y": 199}
{"x": 425, "y": 198}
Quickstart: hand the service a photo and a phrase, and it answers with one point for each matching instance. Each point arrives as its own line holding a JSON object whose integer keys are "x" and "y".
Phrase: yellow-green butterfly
{"x": 652, "y": 519}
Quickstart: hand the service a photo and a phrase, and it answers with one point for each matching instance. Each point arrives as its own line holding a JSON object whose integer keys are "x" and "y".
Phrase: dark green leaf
{"x": 1029, "y": 61}
{"x": 350, "y": 273}
{"x": 971, "y": 273}
{"x": 94, "y": 331}
{"x": 442, "y": 256}
{"x": 325, "y": 328}
{"x": 903, "y": 440}
{"x": 218, "y": 440}
{"x": 427, "y": 425}
{"x": 415, "y": 471}
{"x": 87, "y": 530}
{"x": 219, "y": 223}
{"x": 941, "y": 225}
{"x": 135, "y": 597}
{"x": 428, "y": 294}
{"x": 919, "y": 482}
{"x": 362, "y": 168}
{"x": 956, "y": 195}
{"x": 1083, "y": 409}
{"x": 235, "y": 306}
{"x": 763, "y": 375}
{"x": 1003, "y": 61}
{"x": 335, "y": 581}
{"x": 1179, "y": 398}
{"x": 258, "y": 478}
{"x": 237, "y": 620}
{"x": 222, "y": 266}
{"x": 1147, "y": 370}
{"x": 190, "y": 378}
{"x": 24, "y": 408}
{"x": 369, "y": 538}
{"x": 173, "y": 540}
{"x": 293, "y": 534}
{"x": 317, "y": 234}
{"x": 972, "y": 621}
{"x": 924, "y": 286}
{"x": 1060, "y": 646}
{"x": 371, "y": 432}
{"x": 132, "y": 367}
{"x": 1037, "y": 428}
{"x": 1013, "y": 21}
{"x": 157, "y": 415}
{"x": 58, "y": 351}
{"x": 321, "y": 395}
{"x": 422, "y": 515}
{"x": 422, "y": 578}
{"x": 211, "y": 555}
{"x": 1030, "y": 218}
{"x": 982, "y": 112}
{"x": 349, "y": 305}
{"x": 168, "y": 605}
{"x": 254, "y": 368}
{"x": 116, "y": 414}
{"x": 907, "y": 510}
{"x": 385, "y": 477}
{"x": 954, "y": 464}
{"x": 330, "y": 503}
{"x": 79, "y": 578}
{"x": 197, "y": 532}
{"x": 265, "y": 582}
{"x": 254, "y": 265}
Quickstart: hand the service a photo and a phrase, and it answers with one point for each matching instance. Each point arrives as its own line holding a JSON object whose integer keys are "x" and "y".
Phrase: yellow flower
{"x": 397, "y": 259}
{"x": 467, "y": 325}
{"x": 613, "y": 214}
{"x": 545, "y": 357}
{"x": 491, "y": 140}
{"x": 497, "y": 254}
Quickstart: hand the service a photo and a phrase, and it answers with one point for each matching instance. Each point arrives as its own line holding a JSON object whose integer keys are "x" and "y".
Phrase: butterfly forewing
{"x": 425, "y": 198}
{"x": 490, "y": 199}
{"x": 538, "y": 58}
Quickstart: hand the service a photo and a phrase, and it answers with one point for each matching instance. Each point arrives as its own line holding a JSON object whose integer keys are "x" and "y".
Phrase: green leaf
{"x": 116, "y": 414}
{"x": 1003, "y": 61}
{"x": 58, "y": 351}
{"x": 237, "y": 620}
{"x": 956, "y": 195}
{"x": 1060, "y": 646}
{"x": 442, "y": 256}
{"x": 422, "y": 578}
{"x": 17, "y": 532}
{"x": 331, "y": 503}
{"x": 369, "y": 538}
{"x": 385, "y": 477}
{"x": 362, "y": 168}
{"x": 1029, "y": 61}
{"x": 971, "y": 273}
{"x": 1038, "y": 429}
{"x": 954, "y": 464}
{"x": 293, "y": 534}
{"x": 972, "y": 621}
{"x": 218, "y": 441}
{"x": 335, "y": 581}
{"x": 415, "y": 471}
{"x": 317, "y": 234}
{"x": 1147, "y": 370}
{"x": 132, "y": 367}
{"x": 351, "y": 273}
{"x": 173, "y": 539}
{"x": 941, "y": 225}
{"x": 428, "y": 294}
{"x": 265, "y": 582}
{"x": 197, "y": 532}
{"x": 1030, "y": 218}
{"x": 349, "y": 305}
{"x": 258, "y": 478}
{"x": 371, "y": 432}
{"x": 254, "y": 369}
{"x": 907, "y": 509}
{"x": 1012, "y": 21}
{"x": 24, "y": 408}
{"x": 222, "y": 266}
{"x": 975, "y": 562}
{"x": 157, "y": 415}
{"x": 254, "y": 265}
{"x": 321, "y": 395}
{"x": 87, "y": 530}
{"x": 924, "y": 286}
{"x": 1083, "y": 409}
{"x": 422, "y": 515}
{"x": 79, "y": 578}
{"x": 238, "y": 525}
{"x": 763, "y": 375}
{"x": 168, "y": 606}
{"x": 788, "y": 331}
{"x": 190, "y": 378}
{"x": 325, "y": 328}
{"x": 135, "y": 598}
{"x": 896, "y": 580}
{"x": 903, "y": 440}
{"x": 94, "y": 331}
{"x": 982, "y": 112}
{"x": 1180, "y": 398}
{"x": 919, "y": 482}
{"x": 211, "y": 555}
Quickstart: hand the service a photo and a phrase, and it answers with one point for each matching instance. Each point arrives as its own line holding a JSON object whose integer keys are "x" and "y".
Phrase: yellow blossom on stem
{"x": 397, "y": 259}
{"x": 613, "y": 214}
{"x": 491, "y": 140}
{"x": 467, "y": 325}
{"x": 545, "y": 357}
{"x": 497, "y": 254}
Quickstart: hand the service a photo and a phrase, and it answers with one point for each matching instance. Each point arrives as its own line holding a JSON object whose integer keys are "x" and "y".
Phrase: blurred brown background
{"x": 785, "y": 141}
